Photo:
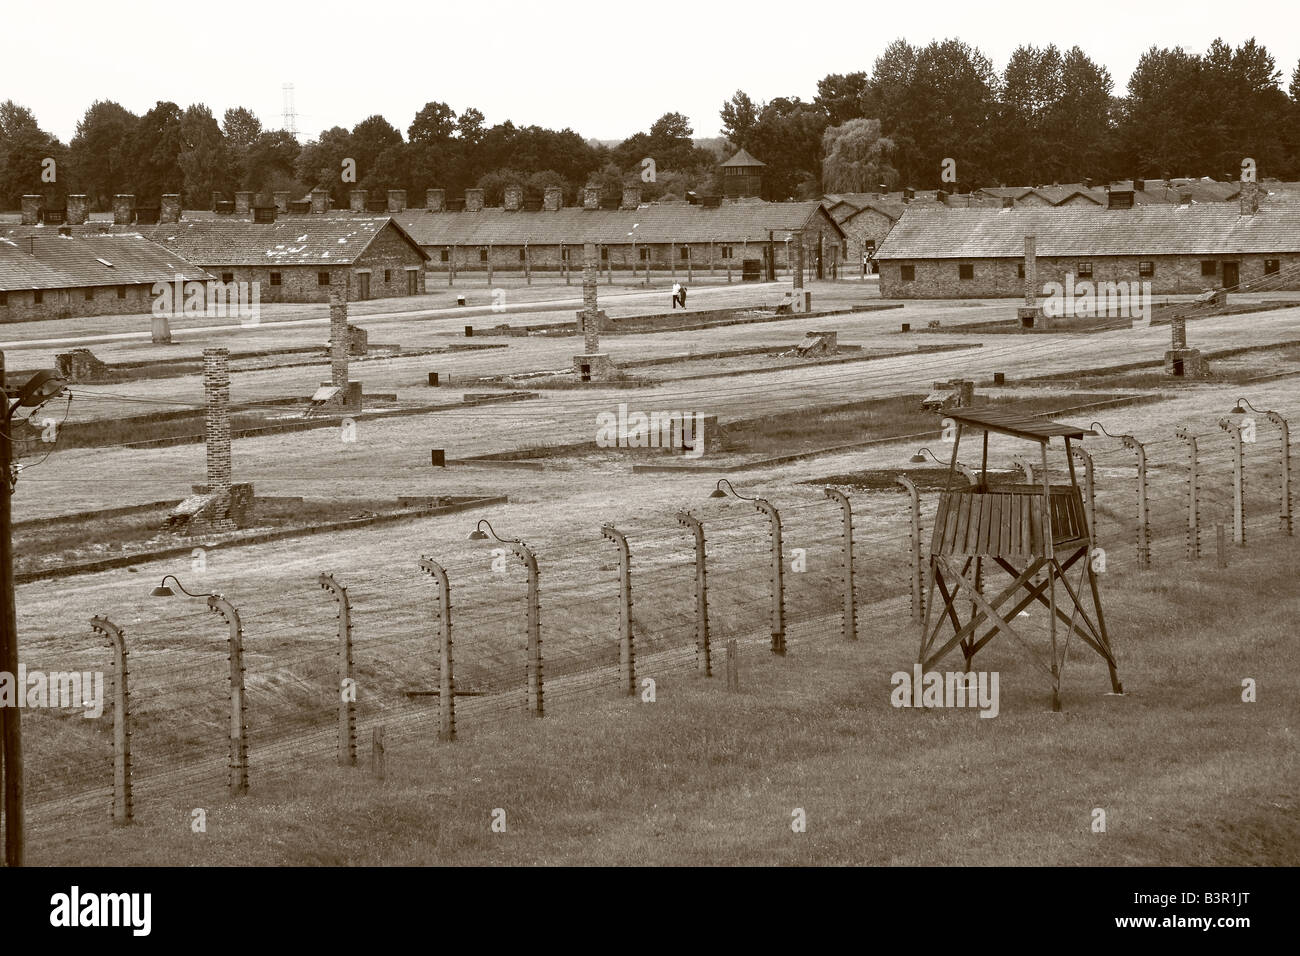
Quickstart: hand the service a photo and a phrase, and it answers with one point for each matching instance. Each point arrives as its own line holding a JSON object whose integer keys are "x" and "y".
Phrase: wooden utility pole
{"x": 12, "y": 747}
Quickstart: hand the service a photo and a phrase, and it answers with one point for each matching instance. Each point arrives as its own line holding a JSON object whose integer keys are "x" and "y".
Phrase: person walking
{"x": 677, "y": 291}
{"x": 681, "y": 294}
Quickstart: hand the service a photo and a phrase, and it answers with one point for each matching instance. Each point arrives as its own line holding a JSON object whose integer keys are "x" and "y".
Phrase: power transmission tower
{"x": 289, "y": 122}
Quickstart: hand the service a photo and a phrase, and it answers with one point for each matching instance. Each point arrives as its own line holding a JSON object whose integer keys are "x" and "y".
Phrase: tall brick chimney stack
{"x": 216, "y": 392}
{"x": 32, "y": 209}
{"x": 357, "y": 200}
{"x": 281, "y": 198}
{"x": 1031, "y": 270}
{"x": 123, "y": 209}
{"x": 216, "y": 198}
{"x": 514, "y": 198}
{"x": 397, "y": 200}
{"x": 1249, "y": 199}
{"x": 339, "y": 331}
{"x": 320, "y": 201}
{"x": 435, "y": 200}
{"x": 473, "y": 200}
{"x": 631, "y": 197}
{"x": 553, "y": 199}
{"x": 78, "y": 209}
{"x": 590, "y": 315}
{"x": 590, "y": 197}
{"x": 170, "y": 210}
{"x": 243, "y": 204}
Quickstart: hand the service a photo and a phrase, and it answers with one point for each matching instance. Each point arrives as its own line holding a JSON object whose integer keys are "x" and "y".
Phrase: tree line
{"x": 171, "y": 149}
{"x": 1049, "y": 116}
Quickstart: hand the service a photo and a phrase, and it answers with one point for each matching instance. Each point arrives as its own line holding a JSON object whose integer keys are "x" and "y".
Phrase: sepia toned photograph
{"x": 612, "y": 435}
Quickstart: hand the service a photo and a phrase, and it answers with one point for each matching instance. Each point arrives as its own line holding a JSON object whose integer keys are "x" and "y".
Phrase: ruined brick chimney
{"x": 1031, "y": 270}
{"x": 357, "y": 200}
{"x": 123, "y": 208}
{"x": 170, "y": 210}
{"x": 32, "y": 209}
{"x": 243, "y": 204}
{"x": 320, "y": 201}
{"x": 216, "y": 391}
{"x": 281, "y": 199}
{"x": 397, "y": 200}
{"x": 553, "y": 199}
{"x": 1249, "y": 199}
{"x": 631, "y": 197}
{"x": 473, "y": 200}
{"x": 514, "y": 198}
{"x": 435, "y": 200}
{"x": 339, "y": 332}
{"x": 590, "y": 197}
{"x": 78, "y": 209}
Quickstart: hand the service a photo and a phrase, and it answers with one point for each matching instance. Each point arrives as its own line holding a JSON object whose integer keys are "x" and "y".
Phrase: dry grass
{"x": 1187, "y": 773}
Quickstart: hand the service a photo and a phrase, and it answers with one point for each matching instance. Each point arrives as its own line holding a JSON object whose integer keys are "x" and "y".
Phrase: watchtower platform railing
{"x": 1007, "y": 522}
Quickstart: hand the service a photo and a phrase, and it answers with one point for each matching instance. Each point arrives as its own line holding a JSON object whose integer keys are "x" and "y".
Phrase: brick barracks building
{"x": 1179, "y": 249}
{"x": 54, "y": 276}
{"x": 294, "y": 258}
{"x": 710, "y": 235}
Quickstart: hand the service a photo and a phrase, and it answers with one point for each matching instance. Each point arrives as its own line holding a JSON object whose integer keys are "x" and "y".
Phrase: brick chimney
{"x": 78, "y": 209}
{"x": 473, "y": 200}
{"x": 216, "y": 199}
{"x": 1249, "y": 199}
{"x": 514, "y": 198}
{"x": 123, "y": 207}
{"x": 281, "y": 198}
{"x": 357, "y": 200}
{"x": 320, "y": 201}
{"x": 32, "y": 209}
{"x": 1139, "y": 185}
{"x": 553, "y": 199}
{"x": 216, "y": 392}
{"x": 397, "y": 200}
{"x": 435, "y": 200}
{"x": 590, "y": 197}
{"x": 170, "y": 210}
{"x": 631, "y": 197}
{"x": 243, "y": 204}
{"x": 1031, "y": 270}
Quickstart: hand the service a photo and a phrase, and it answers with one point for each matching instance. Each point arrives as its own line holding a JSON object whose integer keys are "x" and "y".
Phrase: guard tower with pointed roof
{"x": 1034, "y": 533}
{"x": 742, "y": 176}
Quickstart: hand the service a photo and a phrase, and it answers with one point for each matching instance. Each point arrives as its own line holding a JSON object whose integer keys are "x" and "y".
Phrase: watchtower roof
{"x": 1017, "y": 424}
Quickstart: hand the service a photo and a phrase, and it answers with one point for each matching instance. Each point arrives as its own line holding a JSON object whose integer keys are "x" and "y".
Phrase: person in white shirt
{"x": 677, "y": 291}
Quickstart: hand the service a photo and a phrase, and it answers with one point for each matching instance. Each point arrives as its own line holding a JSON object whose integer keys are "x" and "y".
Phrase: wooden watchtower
{"x": 1034, "y": 533}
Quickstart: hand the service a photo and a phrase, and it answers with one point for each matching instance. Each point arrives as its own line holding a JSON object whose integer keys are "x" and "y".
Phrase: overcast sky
{"x": 607, "y": 69}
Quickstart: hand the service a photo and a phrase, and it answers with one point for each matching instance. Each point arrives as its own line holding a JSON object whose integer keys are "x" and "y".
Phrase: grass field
{"x": 1186, "y": 772}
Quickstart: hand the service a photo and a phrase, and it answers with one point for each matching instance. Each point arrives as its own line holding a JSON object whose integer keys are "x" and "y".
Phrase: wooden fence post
{"x": 690, "y": 264}
{"x": 1193, "y": 494}
{"x": 850, "y": 624}
{"x": 918, "y": 569}
{"x": 626, "y": 649}
{"x": 1238, "y": 482}
{"x": 238, "y": 777}
{"x": 777, "y": 577}
{"x": 123, "y": 812}
{"x": 702, "y": 661}
{"x": 446, "y": 679}
{"x": 528, "y": 264}
{"x": 489, "y": 252}
{"x": 347, "y": 744}
{"x": 733, "y": 667}
{"x": 1220, "y": 543}
{"x": 535, "y": 680}
{"x": 378, "y": 754}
